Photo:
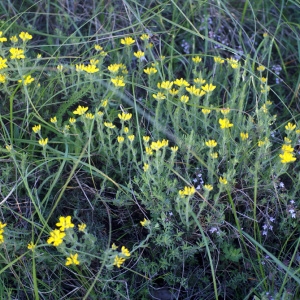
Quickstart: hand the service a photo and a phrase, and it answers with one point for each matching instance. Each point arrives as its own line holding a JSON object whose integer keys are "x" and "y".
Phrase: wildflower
{"x": 2, "y": 225}
{"x": 8, "y": 147}
{"x": 196, "y": 59}
{"x": 139, "y": 54}
{"x": 146, "y": 139}
{"x": 43, "y": 142}
{"x": 214, "y": 155}
{"x": 114, "y": 246}
{"x": 149, "y": 151}
{"x": 287, "y": 140}
{"x": 25, "y": 36}
{"x": 36, "y": 128}
{"x": 208, "y": 88}
{"x": 199, "y": 80}
{"x": 3, "y": 64}
{"x": 118, "y": 81}
{"x": 89, "y": 116}
{"x": 126, "y": 129}
{"x": 120, "y": 139}
{"x": 145, "y": 222}
{"x": 223, "y": 180}
{"x": 118, "y": 261}
{"x": 56, "y": 237}
{"x": 79, "y": 67}
{"x": 109, "y": 125}
{"x": 72, "y": 260}
{"x": 205, "y": 111}
{"x": 91, "y": 69}
{"x": 65, "y": 223}
{"x": 187, "y": 191}
{"x": 159, "y": 144}
{"x": 53, "y": 120}
{"x": 80, "y": 110}
{"x": 244, "y": 136}
{"x": 167, "y": 85}
{"x": 72, "y": 120}
{"x": 263, "y": 79}
{"x": 144, "y": 37}
{"x": 218, "y": 60}
{"x": 264, "y": 89}
{"x": 114, "y": 68}
{"x": 94, "y": 61}
{"x": 150, "y": 71}
{"x": 233, "y": 63}
{"x": 127, "y": 41}
{"x": 125, "y": 116}
{"x": 16, "y": 53}
{"x": 193, "y": 90}
{"x": 290, "y": 126}
{"x": 98, "y": 48}
{"x": 208, "y": 187}
{"x": 31, "y": 246}
{"x": 173, "y": 92}
{"x": 181, "y": 82}
{"x": 184, "y": 99}
{"x": 2, "y": 39}
{"x": 211, "y": 143}
{"x": 14, "y": 39}
{"x": 260, "y": 143}
{"x": 60, "y": 67}
{"x": 224, "y": 123}
{"x": 125, "y": 251}
{"x": 146, "y": 167}
{"x": 159, "y": 96}
{"x": 2, "y": 78}
{"x": 287, "y": 157}
{"x": 81, "y": 227}
{"x": 131, "y": 137}
{"x": 26, "y": 79}
{"x": 174, "y": 148}
{"x": 104, "y": 103}
{"x": 225, "y": 111}
{"x": 261, "y": 68}
{"x": 287, "y": 148}
{"x": 99, "y": 113}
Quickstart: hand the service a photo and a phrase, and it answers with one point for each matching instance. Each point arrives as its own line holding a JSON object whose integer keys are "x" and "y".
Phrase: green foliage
{"x": 170, "y": 172}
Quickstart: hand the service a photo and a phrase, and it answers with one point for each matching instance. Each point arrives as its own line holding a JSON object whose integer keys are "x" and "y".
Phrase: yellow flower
{"x": 181, "y": 82}
{"x": 159, "y": 144}
{"x": 167, "y": 85}
{"x": 79, "y": 67}
{"x": 174, "y": 148}
{"x": 56, "y": 237}
{"x": 145, "y": 222}
{"x": 199, "y": 80}
{"x": 205, "y": 111}
{"x": 211, "y": 143}
{"x": 145, "y": 167}
{"x": 218, "y": 60}
{"x": 287, "y": 140}
{"x": 260, "y": 143}
{"x": 224, "y": 123}
{"x": 223, "y": 180}
{"x": 8, "y": 147}
{"x": 3, "y": 64}
{"x": 233, "y": 63}
{"x": 195, "y": 91}
{"x": 150, "y": 71}
{"x": 114, "y": 246}
{"x": 104, "y": 103}
{"x": 2, "y": 39}
{"x": 265, "y": 89}
{"x": 144, "y": 37}
{"x": 214, "y": 155}
{"x": 196, "y": 59}
{"x": 173, "y": 92}
{"x": 81, "y": 227}
{"x": 139, "y": 54}
{"x": 208, "y": 88}
{"x": 43, "y": 142}
{"x": 146, "y": 139}
{"x": 36, "y": 128}
{"x": 263, "y": 79}
{"x": 118, "y": 81}
{"x": 98, "y": 48}
{"x": 72, "y": 120}
{"x": 290, "y": 126}
{"x": 184, "y": 98}
{"x": 118, "y": 261}
{"x": 159, "y": 96}
{"x": 31, "y": 246}
{"x": 2, "y": 225}
{"x": 109, "y": 125}
{"x": 244, "y": 136}
{"x": 16, "y": 53}
{"x": 208, "y": 187}
{"x": 125, "y": 116}
{"x": 90, "y": 69}
{"x": 26, "y": 79}
{"x": 127, "y": 41}
{"x": 89, "y": 116}
{"x": 114, "y": 68}
{"x": 2, "y": 78}
{"x": 225, "y": 111}
{"x": 287, "y": 148}
{"x": 72, "y": 260}
{"x": 287, "y": 157}
{"x": 261, "y": 68}
{"x": 53, "y": 120}
{"x": 65, "y": 223}
{"x": 14, "y": 39}
{"x": 125, "y": 251}
{"x": 60, "y": 67}
{"x": 120, "y": 139}
{"x": 187, "y": 191}
{"x": 94, "y": 61}
{"x": 131, "y": 137}
{"x": 126, "y": 130}
{"x": 25, "y": 36}
{"x": 80, "y": 110}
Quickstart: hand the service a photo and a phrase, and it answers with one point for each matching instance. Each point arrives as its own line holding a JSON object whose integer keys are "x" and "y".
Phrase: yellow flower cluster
{"x": 288, "y": 155}
{"x": 2, "y": 225}
{"x": 121, "y": 257}
{"x": 187, "y": 191}
{"x": 159, "y": 144}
